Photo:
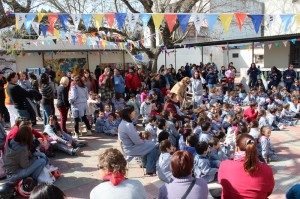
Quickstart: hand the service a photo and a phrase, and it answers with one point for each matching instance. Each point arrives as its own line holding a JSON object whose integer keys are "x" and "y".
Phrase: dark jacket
{"x": 289, "y": 76}
{"x": 169, "y": 105}
{"x": 62, "y": 97}
{"x": 275, "y": 76}
{"x": 2, "y": 92}
{"x": 18, "y": 95}
{"x": 253, "y": 73}
{"x": 211, "y": 78}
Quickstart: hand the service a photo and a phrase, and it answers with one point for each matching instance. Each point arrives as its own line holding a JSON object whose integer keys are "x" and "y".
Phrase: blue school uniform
{"x": 203, "y": 169}
{"x": 100, "y": 122}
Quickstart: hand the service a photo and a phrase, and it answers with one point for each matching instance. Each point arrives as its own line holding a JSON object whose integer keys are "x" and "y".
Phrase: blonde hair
{"x": 185, "y": 80}
{"x": 64, "y": 81}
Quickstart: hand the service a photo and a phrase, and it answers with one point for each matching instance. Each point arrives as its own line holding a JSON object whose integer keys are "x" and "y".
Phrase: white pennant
{"x": 270, "y": 46}
{"x": 36, "y": 27}
{"x": 133, "y": 18}
{"x": 20, "y": 18}
{"x": 198, "y": 20}
{"x": 42, "y": 42}
{"x": 35, "y": 43}
{"x": 76, "y": 20}
{"x": 270, "y": 20}
{"x": 285, "y": 43}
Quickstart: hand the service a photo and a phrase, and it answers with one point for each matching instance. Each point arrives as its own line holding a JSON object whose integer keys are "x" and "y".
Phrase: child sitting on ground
{"x": 267, "y": 153}
{"x": 163, "y": 169}
{"x": 224, "y": 147}
{"x": 107, "y": 111}
{"x": 254, "y": 130}
{"x": 145, "y": 135}
{"x": 100, "y": 122}
{"x": 202, "y": 167}
{"x": 263, "y": 121}
{"x": 91, "y": 104}
{"x": 274, "y": 120}
{"x": 215, "y": 154}
{"x": 111, "y": 126}
{"x": 145, "y": 110}
{"x": 206, "y": 134}
{"x": 191, "y": 142}
{"x": 152, "y": 127}
{"x": 132, "y": 102}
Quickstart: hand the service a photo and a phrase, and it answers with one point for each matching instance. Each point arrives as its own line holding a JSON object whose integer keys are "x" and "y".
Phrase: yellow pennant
{"x": 157, "y": 19}
{"x": 40, "y": 16}
{"x": 98, "y": 20}
{"x": 226, "y": 21}
{"x": 57, "y": 33}
{"x": 298, "y": 20}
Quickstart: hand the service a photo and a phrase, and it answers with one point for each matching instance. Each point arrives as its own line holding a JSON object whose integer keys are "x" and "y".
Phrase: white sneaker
{"x": 75, "y": 136}
{"x": 89, "y": 132}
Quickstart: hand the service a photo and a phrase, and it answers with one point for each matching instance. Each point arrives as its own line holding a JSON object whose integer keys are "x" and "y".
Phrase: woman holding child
{"x": 245, "y": 176}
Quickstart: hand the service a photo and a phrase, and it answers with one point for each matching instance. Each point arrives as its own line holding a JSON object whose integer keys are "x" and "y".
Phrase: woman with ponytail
{"x": 245, "y": 176}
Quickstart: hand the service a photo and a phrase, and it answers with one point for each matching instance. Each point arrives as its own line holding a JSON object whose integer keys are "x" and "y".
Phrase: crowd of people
{"x": 199, "y": 126}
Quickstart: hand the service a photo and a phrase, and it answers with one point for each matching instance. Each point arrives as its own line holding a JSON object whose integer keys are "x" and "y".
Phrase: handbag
{"x": 189, "y": 189}
{"x": 46, "y": 176}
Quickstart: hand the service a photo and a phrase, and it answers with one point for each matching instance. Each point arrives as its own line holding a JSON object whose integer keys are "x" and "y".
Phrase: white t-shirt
{"x": 127, "y": 189}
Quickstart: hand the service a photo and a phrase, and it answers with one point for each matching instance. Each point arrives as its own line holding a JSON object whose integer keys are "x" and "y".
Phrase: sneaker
{"x": 76, "y": 136}
{"x": 75, "y": 151}
{"x": 81, "y": 144}
{"x": 89, "y": 132}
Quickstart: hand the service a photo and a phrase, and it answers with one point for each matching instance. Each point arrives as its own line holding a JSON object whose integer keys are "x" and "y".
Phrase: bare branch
{"x": 129, "y": 6}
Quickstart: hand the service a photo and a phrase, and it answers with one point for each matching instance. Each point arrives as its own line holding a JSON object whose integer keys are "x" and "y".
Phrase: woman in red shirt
{"x": 245, "y": 176}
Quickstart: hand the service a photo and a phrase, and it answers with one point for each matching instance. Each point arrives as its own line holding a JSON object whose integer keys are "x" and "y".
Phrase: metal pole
{"x": 227, "y": 53}
{"x": 175, "y": 59}
{"x": 252, "y": 52}
{"x": 202, "y": 54}
{"x": 124, "y": 59}
{"x": 165, "y": 58}
{"x": 87, "y": 59}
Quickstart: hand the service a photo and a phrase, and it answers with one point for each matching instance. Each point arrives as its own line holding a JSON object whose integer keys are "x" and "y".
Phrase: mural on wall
{"x": 7, "y": 63}
{"x": 63, "y": 65}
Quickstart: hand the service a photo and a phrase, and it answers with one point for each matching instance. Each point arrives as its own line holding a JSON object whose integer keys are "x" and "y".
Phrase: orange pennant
{"x": 240, "y": 18}
{"x": 79, "y": 39}
{"x": 51, "y": 30}
{"x": 171, "y": 20}
{"x": 52, "y": 18}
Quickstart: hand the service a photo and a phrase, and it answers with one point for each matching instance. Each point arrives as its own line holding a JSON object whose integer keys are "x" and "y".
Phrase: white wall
{"x": 26, "y": 61}
{"x": 191, "y": 55}
{"x": 277, "y": 56}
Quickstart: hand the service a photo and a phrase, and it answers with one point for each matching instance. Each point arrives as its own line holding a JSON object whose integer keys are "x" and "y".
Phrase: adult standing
{"x": 63, "y": 104}
{"x": 23, "y": 81}
{"x": 275, "y": 77}
{"x": 155, "y": 83}
{"x": 180, "y": 89}
{"x": 47, "y": 101}
{"x": 183, "y": 184}
{"x": 112, "y": 168}
{"x": 35, "y": 86}
{"x": 221, "y": 75}
{"x": 78, "y": 99}
{"x": 253, "y": 72}
{"x": 132, "y": 81}
{"x": 197, "y": 89}
{"x": 289, "y": 76}
{"x": 17, "y": 96}
{"x": 211, "y": 79}
{"x": 90, "y": 82}
{"x": 119, "y": 82}
{"x": 187, "y": 70}
{"x": 97, "y": 72}
{"x": 132, "y": 144}
{"x": 106, "y": 84}
{"x": 245, "y": 176}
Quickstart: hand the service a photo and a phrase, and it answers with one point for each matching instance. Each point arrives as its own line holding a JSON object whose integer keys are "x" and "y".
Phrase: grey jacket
{"x": 132, "y": 144}
{"x": 163, "y": 167}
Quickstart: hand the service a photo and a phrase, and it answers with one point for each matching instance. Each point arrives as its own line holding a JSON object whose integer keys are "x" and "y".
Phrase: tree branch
{"x": 129, "y": 6}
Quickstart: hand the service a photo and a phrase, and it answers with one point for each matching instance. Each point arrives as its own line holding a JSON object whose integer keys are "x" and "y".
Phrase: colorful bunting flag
{"x": 157, "y": 19}
{"x": 20, "y": 18}
{"x": 110, "y": 18}
{"x": 298, "y": 20}
{"x": 79, "y": 38}
{"x": 52, "y": 18}
{"x": 211, "y": 19}
{"x": 44, "y": 29}
{"x": 198, "y": 20}
{"x": 98, "y": 20}
{"x": 145, "y": 19}
{"x": 76, "y": 20}
{"x": 286, "y": 21}
{"x": 277, "y": 44}
{"x": 133, "y": 19}
{"x": 28, "y": 21}
{"x": 270, "y": 46}
{"x": 73, "y": 39}
{"x": 240, "y": 18}
{"x": 171, "y": 20}
{"x": 63, "y": 20}
{"x": 54, "y": 40}
{"x": 57, "y": 33}
{"x": 269, "y": 19}
{"x": 294, "y": 41}
{"x": 285, "y": 43}
{"x": 120, "y": 17}
{"x": 256, "y": 20}
{"x": 36, "y": 27}
{"x": 40, "y": 16}
{"x": 62, "y": 35}
{"x": 86, "y": 20}
{"x": 183, "y": 21}
{"x": 226, "y": 21}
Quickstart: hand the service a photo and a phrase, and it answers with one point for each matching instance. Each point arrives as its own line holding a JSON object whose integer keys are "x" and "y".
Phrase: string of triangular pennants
{"x": 117, "y": 20}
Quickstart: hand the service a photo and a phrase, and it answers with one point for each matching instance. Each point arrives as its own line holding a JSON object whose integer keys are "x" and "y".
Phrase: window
{"x": 235, "y": 55}
{"x": 259, "y": 59}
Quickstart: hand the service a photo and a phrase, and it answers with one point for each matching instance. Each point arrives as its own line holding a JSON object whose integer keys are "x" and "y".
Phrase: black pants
{"x": 85, "y": 120}
{"x": 4, "y": 112}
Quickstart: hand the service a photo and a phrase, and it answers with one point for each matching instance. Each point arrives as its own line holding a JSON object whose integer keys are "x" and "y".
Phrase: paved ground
{"x": 80, "y": 173}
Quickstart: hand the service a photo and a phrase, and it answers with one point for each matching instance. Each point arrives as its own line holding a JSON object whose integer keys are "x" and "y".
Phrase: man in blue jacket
{"x": 211, "y": 79}
{"x": 289, "y": 76}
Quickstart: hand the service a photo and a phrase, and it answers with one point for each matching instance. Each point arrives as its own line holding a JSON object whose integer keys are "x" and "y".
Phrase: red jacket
{"x": 169, "y": 105}
{"x": 13, "y": 132}
{"x": 101, "y": 78}
{"x": 250, "y": 114}
{"x": 237, "y": 184}
{"x": 132, "y": 81}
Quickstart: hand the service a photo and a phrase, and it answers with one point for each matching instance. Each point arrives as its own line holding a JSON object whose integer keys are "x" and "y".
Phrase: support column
{"x": 227, "y": 53}
{"x": 175, "y": 59}
{"x": 252, "y": 52}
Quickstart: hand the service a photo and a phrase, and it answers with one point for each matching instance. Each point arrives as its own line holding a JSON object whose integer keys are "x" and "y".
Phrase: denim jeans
{"x": 63, "y": 111}
{"x": 150, "y": 160}
{"x": 47, "y": 111}
{"x": 210, "y": 86}
{"x": 23, "y": 113}
{"x": 33, "y": 170}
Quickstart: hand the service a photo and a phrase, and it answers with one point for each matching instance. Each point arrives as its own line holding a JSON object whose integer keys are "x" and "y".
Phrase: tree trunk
{"x": 153, "y": 64}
